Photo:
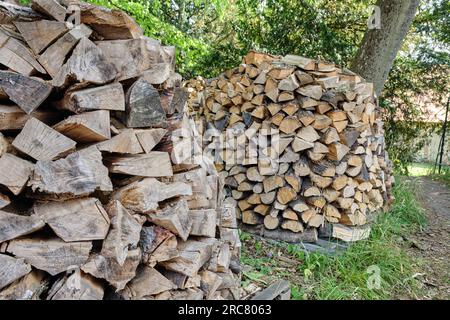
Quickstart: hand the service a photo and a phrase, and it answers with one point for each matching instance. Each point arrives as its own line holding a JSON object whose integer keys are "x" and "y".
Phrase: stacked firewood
{"x": 97, "y": 201}
{"x": 299, "y": 145}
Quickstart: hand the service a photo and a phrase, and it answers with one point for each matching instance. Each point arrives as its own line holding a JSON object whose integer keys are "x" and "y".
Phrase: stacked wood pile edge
{"x": 95, "y": 201}
{"x": 299, "y": 145}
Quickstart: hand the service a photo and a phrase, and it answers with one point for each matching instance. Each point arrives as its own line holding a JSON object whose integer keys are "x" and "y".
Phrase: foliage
{"x": 345, "y": 276}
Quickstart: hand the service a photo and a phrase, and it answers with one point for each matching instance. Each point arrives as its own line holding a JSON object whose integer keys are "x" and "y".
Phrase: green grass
{"x": 345, "y": 276}
{"x": 426, "y": 169}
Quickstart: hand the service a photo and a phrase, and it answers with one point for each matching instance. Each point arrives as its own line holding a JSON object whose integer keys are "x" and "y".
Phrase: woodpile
{"x": 299, "y": 146}
{"x": 97, "y": 201}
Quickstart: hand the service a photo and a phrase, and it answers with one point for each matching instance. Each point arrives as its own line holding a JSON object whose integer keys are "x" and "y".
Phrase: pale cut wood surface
{"x": 13, "y": 118}
{"x": 144, "y": 195}
{"x": 126, "y": 142}
{"x": 152, "y": 164}
{"x": 14, "y": 172}
{"x": 78, "y": 286}
{"x": 41, "y": 142}
{"x": 51, "y": 255}
{"x": 148, "y": 282}
{"x": 51, "y": 8}
{"x": 87, "y": 127}
{"x": 56, "y": 179}
{"x": 15, "y": 225}
{"x": 75, "y": 220}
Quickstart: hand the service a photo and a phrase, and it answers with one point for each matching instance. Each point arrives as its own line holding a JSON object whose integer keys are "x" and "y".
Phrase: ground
{"x": 432, "y": 245}
{"x": 410, "y": 245}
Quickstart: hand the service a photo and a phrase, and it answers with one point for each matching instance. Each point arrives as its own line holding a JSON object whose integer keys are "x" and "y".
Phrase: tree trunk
{"x": 379, "y": 47}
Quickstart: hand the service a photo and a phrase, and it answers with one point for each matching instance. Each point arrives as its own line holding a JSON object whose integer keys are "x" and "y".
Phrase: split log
{"x": 203, "y": 222}
{"x": 87, "y": 127}
{"x": 144, "y": 195}
{"x": 41, "y": 142}
{"x": 78, "y": 286}
{"x": 53, "y": 58}
{"x": 143, "y": 106}
{"x": 148, "y": 282}
{"x": 193, "y": 255}
{"x": 86, "y": 64}
{"x": 75, "y": 220}
{"x": 51, "y": 255}
{"x": 79, "y": 174}
{"x": 152, "y": 164}
{"x": 14, "y": 225}
{"x": 12, "y": 269}
{"x": 14, "y": 172}
{"x": 150, "y": 138}
{"x": 40, "y": 34}
{"x": 28, "y": 287}
{"x": 51, "y": 8}
{"x": 107, "y": 97}
{"x": 157, "y": 244}
{"x": 174, "y": 217}
{"x": 14, "y": 118}
{"x": 109, "y": 269}
{"x": 123, "y": 234}
{"x": 28, "y": 93}
{"x": 126, "y": 142}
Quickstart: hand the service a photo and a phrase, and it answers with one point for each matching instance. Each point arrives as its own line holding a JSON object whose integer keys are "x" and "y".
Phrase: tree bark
{"x": 379, "y": 47}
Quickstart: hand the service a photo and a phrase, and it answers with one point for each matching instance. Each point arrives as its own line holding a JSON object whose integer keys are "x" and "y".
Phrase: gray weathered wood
{"x": 144, "y": 195}
{"x": 204, "y": 222}
{"x": 28, "y": 93}
{"x": 126, "y": 142}
{"x": 75, "y": 220}
{"x": 124, "y": 232}
{"x": 14, "y": 172}
{"x": 79, "y": 174}
{"x": 174, "y": 217}
{"x": 143, "y": 106}
{"x": 107, "y": 97}
{"x": 14, "y": 225}
{"x": 109, "y": 269}
{"x": 77, "y": 286}
{"x": 157, "y": 244}
{"x": 280, "y": 289}
{"x": 40, "y": 34}
{"x": 148, "y": 282}
{"x": 10, "y": 12}
{"x": 149, "y": 138}
{"x": 14, "y": 118}
{"x": 152, "y": 164}
{"x": 86, "y": 64}
{"x": 51, "y": 8}
{"x": 41, "y": 142}
{"x": 12, "y": 269}
{"x": 50, "y": 254}
{"x": 53, "y": 58}
{"x": 28, "y": 287}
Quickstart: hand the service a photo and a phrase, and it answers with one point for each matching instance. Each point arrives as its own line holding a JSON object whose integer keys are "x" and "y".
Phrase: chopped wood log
{"x": 301, "y": 168}
{"x": 87, "y": 127}
{"x": 300, "y": 145}
{"x": 75, "y": 220}
{"x": 273, "y": 182}
{"x": 152, "y": 164}
{"x": 86, "y": 64}
{"x": 126, "y": 142}
{"x": 294, "y": 226}
{"x": 148, "y": 282}
{"x": 271, "y": 222}
{"x": 40, "y": 34}
{"x": 14, "y": 225}
{"x": 301, "y": 62}
{"x": 143, "y": 106}
{"x": 124, "y": 233}
{"x": 250, "y": 217}
{"x": 308, "y": 134}
{"x": 308, "y": 235}
{"x": 12, "y": 269}
{"x": 51, "y": 8}
{"x": 193, "y": 255}
{"x": 107, "y": 97}
{"x": 203, "y": 222}
{"x": 41, "y": 142}
{"x": 109, "y": 24}
{"x": 289, "y": 125}
{"x": 78, "y": 286}
{"x": 316, "y": 221}
{"x": 28, "y": 287}
{"x": 14, "y": 172}
{"x": 337, "y": 151}
{"x": 18, "y": 57}
{"x": 157, "y": 244}
{"x": 109, "y": 269}
{"x": 53, "y": 58}
{"x": 321, "y": 122}
{"x": 320, "y": 181}
{"x": 51, "y": 255}
{"x": 10, "y": 12}
{"x": 175, "y": 218}
{"x": 28, "y": 93}
{"x": 79, "y": 174}
{"x": 285, "y": 195}
{"x": 14, "y": 118}
{"x": 150, "y": 138}
{"x": 312, "y": 91}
